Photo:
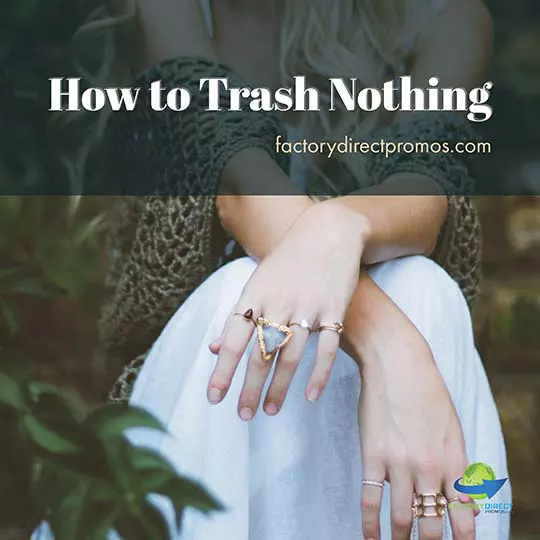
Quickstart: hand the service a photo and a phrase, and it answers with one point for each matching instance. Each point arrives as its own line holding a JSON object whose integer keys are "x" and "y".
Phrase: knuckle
{"x": 258, "y": 365}
{"x": 277, "y": 397}
{"x": 401, "y": 520}
{"x": 432, "y": 534}
{"x": 370, "y": 530}
{"x": 249, "y": 398}
{"x": 230, "y": 350}
{"x": 397, "y": 458}
{"x": 288, "y": 362}
{"x": 428, "y": 463}
{"x": 370, "y": 504}
{"x": 465, "y": 529}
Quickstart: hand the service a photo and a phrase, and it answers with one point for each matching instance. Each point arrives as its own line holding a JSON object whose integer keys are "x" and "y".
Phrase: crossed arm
{"x": 395, "y": 226}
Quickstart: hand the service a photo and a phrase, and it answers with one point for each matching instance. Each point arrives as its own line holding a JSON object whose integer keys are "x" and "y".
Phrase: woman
{"x": 351, "y": 271}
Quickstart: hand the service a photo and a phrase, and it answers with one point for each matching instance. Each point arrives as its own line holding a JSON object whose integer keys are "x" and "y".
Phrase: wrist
{"x": 372, "y": 322}
{"x": 339, "y": 217}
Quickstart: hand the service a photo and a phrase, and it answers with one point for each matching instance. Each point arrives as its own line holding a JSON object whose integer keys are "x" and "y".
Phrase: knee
{"x": 423, "y": 290}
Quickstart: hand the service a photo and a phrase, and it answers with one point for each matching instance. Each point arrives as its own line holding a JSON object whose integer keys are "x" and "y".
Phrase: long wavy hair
{"x": 363, "y": 39}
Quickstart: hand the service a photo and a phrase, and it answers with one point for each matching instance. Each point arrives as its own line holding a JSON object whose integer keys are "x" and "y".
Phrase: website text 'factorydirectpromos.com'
{"x": 387, "y": 148}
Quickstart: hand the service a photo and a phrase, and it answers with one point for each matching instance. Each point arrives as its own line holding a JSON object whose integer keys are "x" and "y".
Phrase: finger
{"x": 327, "y": 348}
{"x": 215, "y": 346}
{"x": 401, "y": 493}
{"x": 461, "y": 512}
{"x": 371, "y": 496}
{"x": 256, "y": 375}
{"x": 429, "y": 484}
{"x": 286, "y": 364}
{"x": 236, "y": 336}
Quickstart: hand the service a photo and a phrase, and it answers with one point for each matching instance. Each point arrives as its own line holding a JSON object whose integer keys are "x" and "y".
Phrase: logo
{"x": 479, "y": 481}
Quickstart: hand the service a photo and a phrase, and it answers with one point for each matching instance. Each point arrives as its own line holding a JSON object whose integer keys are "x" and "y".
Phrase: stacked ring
{"x": 423, "y": 501}
{"x": 336, "y": 327}
{"x": 373, "y": 483}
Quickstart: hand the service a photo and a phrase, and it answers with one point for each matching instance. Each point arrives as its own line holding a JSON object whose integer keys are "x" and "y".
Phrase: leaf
{"x": 30, "y": 287}
{"x": 66, "y": 265}
{"x": 11, "y": 393}
{"x": 96, "y": 519}
{"x": 46, "y": 438}
{"x": 145, "y": 458}
{"x": 10, "y": 208}
{"x": 55, "y": 402}
{"x": 154, "y": 522}
{"x": 146, "y": 523}
{"x": 9, "y": 317}
{"x": 114, "y": 420}
{"x": 12, "y": 363}
{"x": 65, "y": 517}
{"x": 187, "y": 493}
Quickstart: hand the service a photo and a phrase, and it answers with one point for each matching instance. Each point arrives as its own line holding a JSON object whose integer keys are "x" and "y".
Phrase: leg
{"x": 434, "y": 303}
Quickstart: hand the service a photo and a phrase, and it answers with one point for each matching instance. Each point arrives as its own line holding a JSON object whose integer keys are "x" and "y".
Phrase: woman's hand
{"x": 409, "y": 430}
{"x": 310, "y": 276}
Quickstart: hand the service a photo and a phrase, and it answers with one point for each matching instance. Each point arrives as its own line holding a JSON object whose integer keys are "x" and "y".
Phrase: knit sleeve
{"x": 458, "y": 248}
{"x": 173, "y": 161}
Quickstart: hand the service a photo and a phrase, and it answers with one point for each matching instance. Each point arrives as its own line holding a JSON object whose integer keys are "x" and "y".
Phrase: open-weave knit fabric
{"x": 459, "y": 247}
{"x": 163, "y": 246}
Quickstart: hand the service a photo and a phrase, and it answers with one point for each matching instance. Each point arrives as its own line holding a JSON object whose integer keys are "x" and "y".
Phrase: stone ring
{"x": 304, "y": 323}
{"x": 272, "y": 337}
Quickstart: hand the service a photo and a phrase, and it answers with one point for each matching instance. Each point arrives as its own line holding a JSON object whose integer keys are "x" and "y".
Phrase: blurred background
{"x": 52, "y": 249}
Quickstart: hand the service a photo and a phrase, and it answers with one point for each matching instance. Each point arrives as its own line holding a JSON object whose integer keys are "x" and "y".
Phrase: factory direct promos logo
{"x": 479, "y": 482}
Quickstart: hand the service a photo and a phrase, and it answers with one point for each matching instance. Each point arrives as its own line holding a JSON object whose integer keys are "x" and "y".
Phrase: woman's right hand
{"x": 409, "y": 429}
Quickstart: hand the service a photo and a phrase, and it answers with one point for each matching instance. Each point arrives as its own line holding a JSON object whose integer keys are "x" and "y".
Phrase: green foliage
{"x": 49, "y": 247}
{"x": 35, "y": 44}
{"x": 78, "y": 471}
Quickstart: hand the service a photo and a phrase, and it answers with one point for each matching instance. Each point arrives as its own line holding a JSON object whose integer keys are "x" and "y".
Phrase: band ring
{"x": 424, "y": 502}
{"x": 373, "y": 483}
{"x": 336, "y": 327}
{"x": 304, "y": 323}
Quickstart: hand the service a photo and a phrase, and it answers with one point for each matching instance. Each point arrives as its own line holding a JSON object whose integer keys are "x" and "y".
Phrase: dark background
{"x": 52, "y": 251}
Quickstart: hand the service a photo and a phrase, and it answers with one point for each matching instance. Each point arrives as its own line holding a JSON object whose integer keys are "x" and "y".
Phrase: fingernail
{"x": 313, "y": 394}
{"x": 215, "y": 395}
{"x": 246, "y": 414}
{"x": 271, "y": 409}
{"x": 464, "y": 498}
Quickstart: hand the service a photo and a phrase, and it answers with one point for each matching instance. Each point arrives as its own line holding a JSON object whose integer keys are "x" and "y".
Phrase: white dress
{"x": 297, "y": 476}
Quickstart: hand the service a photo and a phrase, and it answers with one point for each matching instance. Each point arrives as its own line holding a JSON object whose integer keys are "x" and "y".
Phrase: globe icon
{"x": 475, "y": 475}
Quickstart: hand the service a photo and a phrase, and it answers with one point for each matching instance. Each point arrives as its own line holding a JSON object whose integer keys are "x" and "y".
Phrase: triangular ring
{"x": 272, "y": 337}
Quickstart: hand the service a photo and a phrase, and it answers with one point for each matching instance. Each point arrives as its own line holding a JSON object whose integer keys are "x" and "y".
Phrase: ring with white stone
{"x": 272, "y": 337}
{"x": 304, "y": 323}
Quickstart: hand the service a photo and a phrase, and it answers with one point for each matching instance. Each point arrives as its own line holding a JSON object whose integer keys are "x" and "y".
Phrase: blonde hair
{"x": 362, "y": 39}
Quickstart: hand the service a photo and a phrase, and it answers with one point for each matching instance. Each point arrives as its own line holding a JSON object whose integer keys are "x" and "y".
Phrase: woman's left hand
{"x": 311, "y": 277}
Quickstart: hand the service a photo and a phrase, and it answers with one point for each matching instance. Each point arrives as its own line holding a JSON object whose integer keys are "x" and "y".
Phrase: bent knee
{"x": 423, "y": 290}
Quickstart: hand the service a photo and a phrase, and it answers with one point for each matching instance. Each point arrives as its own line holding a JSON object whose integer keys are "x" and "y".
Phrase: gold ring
{"x": 304, "y": 323}
{"x": 337, "y": 327}
{"x": 422, "y": 502}
{"x": 272, "y": 337}
{"x": 373, "y": 483}
{"x": 247, "y": 315}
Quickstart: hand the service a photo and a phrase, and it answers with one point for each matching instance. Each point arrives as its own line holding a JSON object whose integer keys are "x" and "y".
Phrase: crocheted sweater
{"x": 164, "y": 244}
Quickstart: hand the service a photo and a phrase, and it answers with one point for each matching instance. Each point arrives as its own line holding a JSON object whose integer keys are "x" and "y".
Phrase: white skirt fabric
{"x": 297, "y": 476}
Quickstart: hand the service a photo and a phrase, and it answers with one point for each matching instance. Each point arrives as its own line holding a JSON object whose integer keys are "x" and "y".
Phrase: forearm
{"x": 260, "y": 222}
{"x": 401, "y": 224}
